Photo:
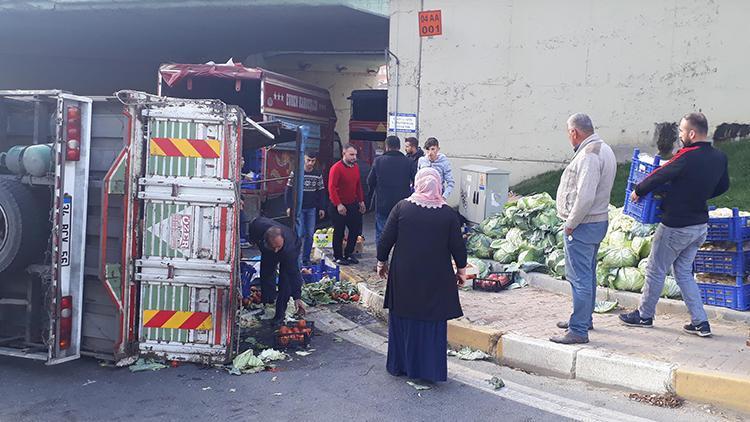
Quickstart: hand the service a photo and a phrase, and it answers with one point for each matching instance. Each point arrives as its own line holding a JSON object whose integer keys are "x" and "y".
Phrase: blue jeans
{"x": 380, "y": 220}
{"x": 580, "y": 270}
{"x": 306, "y": 230}
{"x": 674, "y": 247}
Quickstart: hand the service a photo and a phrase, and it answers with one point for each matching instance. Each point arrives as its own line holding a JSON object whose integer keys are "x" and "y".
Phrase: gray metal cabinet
{"x": 484, "y": 191}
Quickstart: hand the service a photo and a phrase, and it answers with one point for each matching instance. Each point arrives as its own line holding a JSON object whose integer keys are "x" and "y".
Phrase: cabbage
{"x": 641, "y": 246}
{"x": 622, "y": 223}
{"x": 482, "y": 268}
{"x": 504, "y": 257}
{"x": 556, "y": 262}
{"x": 546, "y": 220}
{"x": 509, "y": 212}
{"x": 604, "y": 276}
{"x": 515, "y": 236}
{"x": 618, "y": 240}
{"x": 643, "y": 230}
{"x": 560, "y": 236}
{"x": 493, "y": 226}
{"x": 629, "y": 279}
{"x": 531, "y": 254}
{"x": 478, "y": 245}
{"x": 643, "y": 266}
{"x": 671, "y": 290}
{"x": 620, "y": 258}
{"x": 535, "y": 202}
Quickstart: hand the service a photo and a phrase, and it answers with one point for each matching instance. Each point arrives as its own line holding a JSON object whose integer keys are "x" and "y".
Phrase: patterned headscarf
{"x": 428, "y": 189}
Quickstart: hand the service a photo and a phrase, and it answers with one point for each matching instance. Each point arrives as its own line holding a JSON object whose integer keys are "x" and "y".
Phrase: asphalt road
{"x": 338, "y": 381}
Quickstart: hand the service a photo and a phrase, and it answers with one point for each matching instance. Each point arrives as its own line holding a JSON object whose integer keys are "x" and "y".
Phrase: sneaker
{"x": 702, "y": 330}
{"x": 352, "y": 260}
{"x": 342, "y": 262}
{"x": 569, "y": 338}
{"x": 564, "y": 325}
{"x": 633, "y": 319}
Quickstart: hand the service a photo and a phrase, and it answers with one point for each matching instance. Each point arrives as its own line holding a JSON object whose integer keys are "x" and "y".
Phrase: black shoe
{"x": 702, "y": 330}
{"x": 342, "y": 262}
{"x": 352, "y": 260}
{"x": 569, "y": 338}
{"x": 564, "y": 325}
{"x": 633, "y": 319}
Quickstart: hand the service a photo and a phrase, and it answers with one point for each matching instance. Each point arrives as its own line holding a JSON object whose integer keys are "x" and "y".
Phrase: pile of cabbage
{"x": 529, "y": 231}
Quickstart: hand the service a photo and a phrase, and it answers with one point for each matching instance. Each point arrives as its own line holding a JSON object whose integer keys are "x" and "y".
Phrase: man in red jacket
{"x": 348, "y": 204}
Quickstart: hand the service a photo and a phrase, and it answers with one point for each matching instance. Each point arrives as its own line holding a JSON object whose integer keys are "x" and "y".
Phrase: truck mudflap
{"x": 187, "y": 256}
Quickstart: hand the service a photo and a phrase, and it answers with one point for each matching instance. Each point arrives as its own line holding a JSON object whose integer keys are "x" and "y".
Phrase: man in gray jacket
{"x": 439, "y": 162}
{"x": 582, "y": 203}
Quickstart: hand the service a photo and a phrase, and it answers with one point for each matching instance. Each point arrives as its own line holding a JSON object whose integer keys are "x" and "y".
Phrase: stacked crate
{"x": 648, "y": 209}
{"x": 733, "y": 230}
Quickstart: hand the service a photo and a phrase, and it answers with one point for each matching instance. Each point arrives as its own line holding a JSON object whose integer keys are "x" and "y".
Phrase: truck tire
{"x": 22, "y": 226}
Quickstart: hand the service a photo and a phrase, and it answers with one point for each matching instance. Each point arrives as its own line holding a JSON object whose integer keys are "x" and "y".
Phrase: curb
{"x": 590, "y": 365}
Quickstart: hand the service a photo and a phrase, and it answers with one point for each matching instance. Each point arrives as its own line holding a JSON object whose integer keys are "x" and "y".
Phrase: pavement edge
{"x": 590, "y": 365}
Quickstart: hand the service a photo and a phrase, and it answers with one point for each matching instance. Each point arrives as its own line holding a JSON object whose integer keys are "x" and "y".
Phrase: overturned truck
{"x": 118, "y": 226}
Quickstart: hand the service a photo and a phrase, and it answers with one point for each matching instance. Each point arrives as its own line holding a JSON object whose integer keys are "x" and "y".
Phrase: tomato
{"x": 284, "y": 341}
{"x": 296, "y": 330}
{"x": 344, "y": 296}
{"x": 307, "y": 331}
{"x": 355, "y": 298}
{"x": 302, "y": 323}
{"x": 284, "y": 330}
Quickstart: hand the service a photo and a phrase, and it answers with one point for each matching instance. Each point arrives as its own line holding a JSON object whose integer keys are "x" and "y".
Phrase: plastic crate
{"x": 294, "y": 339}
{"x": 647, "y": 210}
{"x": 493, "y": 285}
{"x": 721, "y": 262}
{"x": 730, "y": 229}
{"x": 733, "y": 297}
{"x": 319, "y": 271}
{"x": 639, "y": 170}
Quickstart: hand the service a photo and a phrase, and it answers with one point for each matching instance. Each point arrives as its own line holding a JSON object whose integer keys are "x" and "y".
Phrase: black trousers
{"x": 352, "y": 221}
{"x": 268, "y": 269}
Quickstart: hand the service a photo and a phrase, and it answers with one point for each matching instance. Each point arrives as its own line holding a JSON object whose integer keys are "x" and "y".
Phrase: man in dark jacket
{"x": 695, "y": 174}
{"x": 390, "y": 181}
{"x": 279, "y": 248}
{"x": 413, "y": 151}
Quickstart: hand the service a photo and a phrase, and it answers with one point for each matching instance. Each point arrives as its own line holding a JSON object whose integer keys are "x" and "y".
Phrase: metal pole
{"x": 303, "y": 132}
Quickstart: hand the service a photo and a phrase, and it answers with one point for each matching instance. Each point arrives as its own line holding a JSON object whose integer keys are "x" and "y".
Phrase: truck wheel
{"x": 21, "y": 226}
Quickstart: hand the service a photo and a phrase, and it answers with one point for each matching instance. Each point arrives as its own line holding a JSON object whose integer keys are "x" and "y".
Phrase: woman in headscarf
{"x": 422, "y": 294}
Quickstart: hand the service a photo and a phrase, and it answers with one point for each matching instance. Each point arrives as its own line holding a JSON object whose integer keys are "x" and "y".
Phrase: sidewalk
{"x": 515, "y": 326}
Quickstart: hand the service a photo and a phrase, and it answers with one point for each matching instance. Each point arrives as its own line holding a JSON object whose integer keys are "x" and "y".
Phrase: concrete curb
{"x": 632, "y": 300}
{"x": 590, "y": 365}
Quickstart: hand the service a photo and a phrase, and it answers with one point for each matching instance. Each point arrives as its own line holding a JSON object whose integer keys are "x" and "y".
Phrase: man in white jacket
{"x": 439, "y": 162}
{"x": 582, "y": 203}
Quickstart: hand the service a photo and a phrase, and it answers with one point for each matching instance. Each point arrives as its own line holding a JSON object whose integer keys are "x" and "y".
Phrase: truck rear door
{"x": 70, "y": 193}
{"x": 189, "y": 196}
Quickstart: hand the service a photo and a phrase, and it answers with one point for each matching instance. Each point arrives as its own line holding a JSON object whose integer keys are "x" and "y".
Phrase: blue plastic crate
{"x": 730, "y": 229}
{"x": 721, "y": 262}
{"x": 647, "y": 210}
{"x": 733, "y": 297}
{"x": 639, "y": 170}
{"x": 319, "y": 271}
{"x": 246, "y": 276}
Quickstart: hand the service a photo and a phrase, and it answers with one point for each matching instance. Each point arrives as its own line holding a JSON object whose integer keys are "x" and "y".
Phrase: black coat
{"x": 287, "y": 258}
{"x": 421, "y": 280}
{"x": 390, "y": 180}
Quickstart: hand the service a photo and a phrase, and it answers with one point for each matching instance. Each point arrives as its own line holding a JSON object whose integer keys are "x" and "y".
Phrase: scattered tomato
{"x": 284, "y": 330}
{"x": 344, "y": 296}
{"x": 302, "y": 323}
{"x": 355, "y": 298}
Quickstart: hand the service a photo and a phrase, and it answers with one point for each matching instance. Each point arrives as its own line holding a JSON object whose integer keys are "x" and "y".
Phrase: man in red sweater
{"x": 348, "y": 204}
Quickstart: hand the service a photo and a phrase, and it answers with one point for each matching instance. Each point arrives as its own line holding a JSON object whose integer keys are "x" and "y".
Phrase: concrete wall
{"x": 340, "y": 74}
{"x": 497, "y": 86}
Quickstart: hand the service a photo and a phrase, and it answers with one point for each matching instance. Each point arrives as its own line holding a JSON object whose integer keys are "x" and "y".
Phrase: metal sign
{"x": 430, "y": 23}
{"x": 402, "y": 122}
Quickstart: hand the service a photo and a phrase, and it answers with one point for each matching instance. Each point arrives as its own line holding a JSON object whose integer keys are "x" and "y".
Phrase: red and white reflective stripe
{"x": 73, "y": 133}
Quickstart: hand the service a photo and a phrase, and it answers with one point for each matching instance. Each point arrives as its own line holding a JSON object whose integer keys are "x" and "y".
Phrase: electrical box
{"x": 484, "y": 191}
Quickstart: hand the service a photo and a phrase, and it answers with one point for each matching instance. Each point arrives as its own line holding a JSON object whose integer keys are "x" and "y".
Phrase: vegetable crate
{"x": 733, "y": 297}
{"x": 722, "y": 262}
{"x": 647, "y": 210}
{"x": 321, "y": 270}
{"x": 294, "y": 334}
{"x": 731, "y": 229}
{"x": 639, "y": 170}
{"x": 494, "y": 282}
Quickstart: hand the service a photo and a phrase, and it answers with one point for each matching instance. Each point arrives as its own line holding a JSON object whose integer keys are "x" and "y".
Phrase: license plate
{"x": 65, "y": 229}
